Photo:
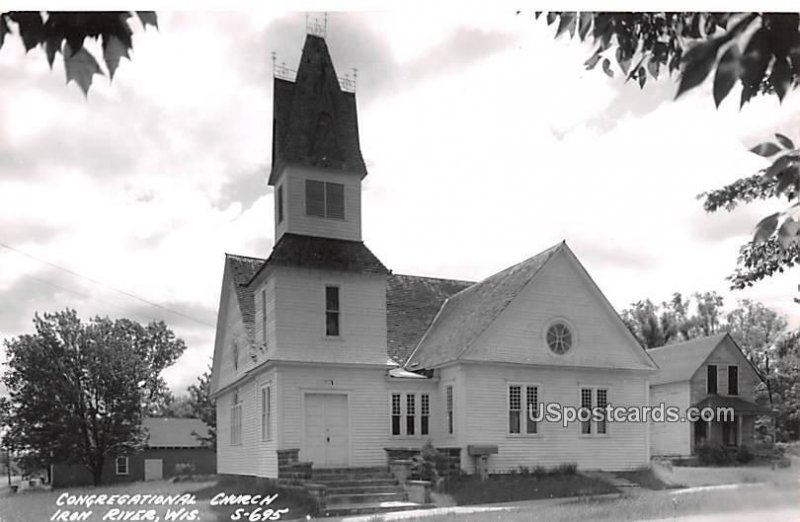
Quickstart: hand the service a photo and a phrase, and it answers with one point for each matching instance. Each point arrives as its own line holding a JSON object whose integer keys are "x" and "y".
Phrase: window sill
{"x": 593, "y": 436}
{"x": 333, "y": 338}
{"x": 524, "y": 436}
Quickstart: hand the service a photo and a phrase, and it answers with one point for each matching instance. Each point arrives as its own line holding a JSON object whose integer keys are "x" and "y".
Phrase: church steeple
{"x": 315, "y": 122}
{"x": 317, "y": 166}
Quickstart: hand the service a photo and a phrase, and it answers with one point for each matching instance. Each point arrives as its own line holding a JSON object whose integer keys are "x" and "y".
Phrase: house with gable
{"x": 324, "y": 356}
{"x": 709, "y": 372}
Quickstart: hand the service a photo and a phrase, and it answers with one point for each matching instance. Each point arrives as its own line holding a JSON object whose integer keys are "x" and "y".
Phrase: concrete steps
{"x": 364, "y": 490}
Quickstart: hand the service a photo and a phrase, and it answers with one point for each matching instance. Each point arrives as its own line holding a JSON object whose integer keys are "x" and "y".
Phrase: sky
{"x": 485, "y": 139}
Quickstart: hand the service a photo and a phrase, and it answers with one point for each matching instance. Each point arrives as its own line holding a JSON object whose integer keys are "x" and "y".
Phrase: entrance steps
{"x": 361, "y": 490}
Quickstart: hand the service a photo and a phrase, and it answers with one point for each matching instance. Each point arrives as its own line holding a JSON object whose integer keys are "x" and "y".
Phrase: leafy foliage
{"x": 65, "y": 33}
{"x": 77, "y": 390}
{"x": 759, "y": 50}
{"x": 671, "y": 322}
{"x": 203, "y": 407}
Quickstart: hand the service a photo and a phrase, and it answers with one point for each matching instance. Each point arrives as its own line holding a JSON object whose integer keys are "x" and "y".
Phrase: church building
{"x": 324, "y": 356}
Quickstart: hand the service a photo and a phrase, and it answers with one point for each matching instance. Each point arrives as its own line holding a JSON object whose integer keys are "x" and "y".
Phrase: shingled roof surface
{"x": 173, "y": 432}
{"x": 465, "y": 316}
{"x": 411, "y": 305}
{"x": 324, "y": 253}
{"x": 243, "y": 269}
{"x": 315, "y": 122}
{"x": 678, "y": 362}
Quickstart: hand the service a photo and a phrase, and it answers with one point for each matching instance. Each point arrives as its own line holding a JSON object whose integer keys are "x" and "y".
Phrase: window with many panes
{"x": 122, "y": 465}
{"x": 266, "y": 412}
{"x": 236, "y": 420}
{"x": 733, "y": 380}
{"x": 324, "y": 199}
{"x": 449, "y": 421}
{"x": 522, "y": 409}
{"x": 410, "y": 414}
{"x": 332, "y": 311}
{"x": 593, "y": 400}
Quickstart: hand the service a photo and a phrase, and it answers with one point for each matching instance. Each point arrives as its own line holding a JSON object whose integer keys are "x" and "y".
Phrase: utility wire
{"x": 100, "y": 283}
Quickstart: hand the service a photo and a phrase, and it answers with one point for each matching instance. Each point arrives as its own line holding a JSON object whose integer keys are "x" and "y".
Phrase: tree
{"x": 204, "y": 408}
{"x": 65, "y": 32}
{"x": 760, "y": 51}
{"x": 77, "y": 390}
{"x": 670, "y": 322}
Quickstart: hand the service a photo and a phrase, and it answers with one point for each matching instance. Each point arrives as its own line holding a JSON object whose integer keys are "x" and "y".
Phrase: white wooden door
{"x": 153, "y": 469}
{"x": 327, "y": 439}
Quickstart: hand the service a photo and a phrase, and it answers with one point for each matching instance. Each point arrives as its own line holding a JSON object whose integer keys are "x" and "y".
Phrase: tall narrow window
{"x": 122, "y": 465}
{"x": 711, "y": 378}
{"x": 235, "y": 355}
{"x": 236, "y": 420}
{"x": 733, "y": 380}
{"x": 449, "y": 409}
{"x": 514, "y": 408}
{"x": 266, "y": 413}
{"x": 425, "y": 413}
{"x": 602, "y": 402}
{"x": 411, "y": 411}
{"x": 280, "y": 203}
{"x": 396, "y": 414}
{"x": 586, "y": 402}
{"x": 264, "y": 317}
{"x": 531, "y": 410}
{"x": 332, "y": 311}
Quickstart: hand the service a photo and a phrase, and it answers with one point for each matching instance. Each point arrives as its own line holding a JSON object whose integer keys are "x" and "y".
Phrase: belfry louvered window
{"x": 325, "y": 199}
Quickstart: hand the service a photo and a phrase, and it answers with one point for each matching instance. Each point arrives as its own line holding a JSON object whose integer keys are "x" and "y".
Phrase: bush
{"x": 744, "y": 455}
{"x": 567, "y": 468}
{"x": 713, "y": 454}
{"x": 424, "y": 465}
{"x": 184, "y": 468}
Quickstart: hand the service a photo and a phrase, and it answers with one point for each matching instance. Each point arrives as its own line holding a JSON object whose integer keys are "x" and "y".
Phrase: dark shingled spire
{"x": 314, "y": 121}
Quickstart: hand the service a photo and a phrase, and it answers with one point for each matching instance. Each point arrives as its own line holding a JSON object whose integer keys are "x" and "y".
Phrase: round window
{"x": 559, "y": 338}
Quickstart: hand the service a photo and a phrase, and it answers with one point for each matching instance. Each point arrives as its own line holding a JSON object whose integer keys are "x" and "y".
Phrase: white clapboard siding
{"x": 300, "y": 317}
{"x": 670, "y": 438}
{"x": 725, "y": 354}
{"x": 231, "y": 331}
{"x": 264, "y": 351}
{"x": 296, "y": 221}
{"x": 368, "y": 408}
{"x": 253, "y": 456}
{"x": 486, "y": 418}
{"x": 560, "y": 291}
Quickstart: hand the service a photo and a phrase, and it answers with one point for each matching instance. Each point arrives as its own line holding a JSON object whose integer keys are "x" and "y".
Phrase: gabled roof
{"x": 411, "y": 305}
{"x": 314, "y": 122}
{"x": 678, "y": 362}
{"x": 465, "y": 316}
{"x": 173, "y": 432}
{"x": 323, "y": 253}
{"x": 243, "y": 269}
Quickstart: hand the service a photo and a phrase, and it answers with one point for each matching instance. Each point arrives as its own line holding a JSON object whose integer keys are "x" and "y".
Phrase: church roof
{"x": 243, "y": 269}
{"x": 323, "y": 253}
{"x": 314, "y": 121}
{"x": 465, "y": 316}
{"x": 411, "y": 305}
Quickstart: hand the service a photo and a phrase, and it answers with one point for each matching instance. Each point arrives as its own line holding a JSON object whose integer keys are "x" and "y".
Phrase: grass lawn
{"x": 648, "y": 505}
{"x": 297, "y": 502}
{"x": 713, "y": 476}
{"x": 507, "y": 488}
{"x": 647, "y": 478}
{"x": 39, "y": 505}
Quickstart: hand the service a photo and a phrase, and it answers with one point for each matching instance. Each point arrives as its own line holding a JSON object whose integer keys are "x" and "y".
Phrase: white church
{"x": 324, "y": 356}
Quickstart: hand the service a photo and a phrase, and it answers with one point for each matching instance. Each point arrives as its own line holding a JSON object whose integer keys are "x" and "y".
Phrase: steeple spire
{"x": 315, "y": 121}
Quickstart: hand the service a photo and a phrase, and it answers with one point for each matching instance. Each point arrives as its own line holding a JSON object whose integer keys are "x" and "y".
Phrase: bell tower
{"x": 317, "y": 166}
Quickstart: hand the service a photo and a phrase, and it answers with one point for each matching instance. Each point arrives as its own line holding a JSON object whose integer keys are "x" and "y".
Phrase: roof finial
{"x": 316, "y": 27}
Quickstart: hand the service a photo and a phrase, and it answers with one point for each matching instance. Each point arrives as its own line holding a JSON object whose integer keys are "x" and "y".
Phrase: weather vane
{"x": 315, "y": 26}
